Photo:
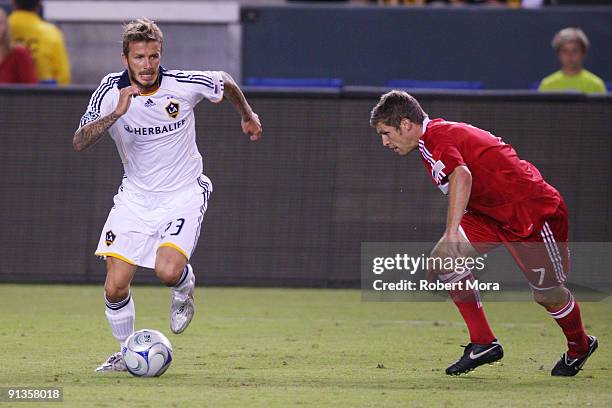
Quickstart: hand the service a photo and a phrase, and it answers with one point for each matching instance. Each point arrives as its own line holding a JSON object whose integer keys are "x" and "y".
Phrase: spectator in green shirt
{"x": 571, "y": 45}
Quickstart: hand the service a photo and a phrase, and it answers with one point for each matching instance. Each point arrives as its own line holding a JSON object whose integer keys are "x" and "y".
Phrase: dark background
{"x": 502, "y": 48}
{"x": 293, "y": 208}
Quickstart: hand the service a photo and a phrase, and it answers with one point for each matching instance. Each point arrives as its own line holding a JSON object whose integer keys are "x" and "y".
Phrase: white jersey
{"x": 156, "y": 137}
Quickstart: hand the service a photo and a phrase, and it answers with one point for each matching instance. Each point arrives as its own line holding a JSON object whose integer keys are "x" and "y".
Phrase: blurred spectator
{"x": 532, "y": 3}
{"x": 16, "y": 65}
{"x": 571, "y": 45}
{"x": 44, "y": 40}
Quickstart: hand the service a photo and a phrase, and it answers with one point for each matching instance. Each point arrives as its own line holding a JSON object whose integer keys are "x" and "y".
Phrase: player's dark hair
{"x": 29, "y": 5}
{"x": 395, "y": 106}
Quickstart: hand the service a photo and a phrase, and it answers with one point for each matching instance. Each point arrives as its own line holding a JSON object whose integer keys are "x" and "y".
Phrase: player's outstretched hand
{"x": 125, "y": 98}
{"x": 252, "y": 126}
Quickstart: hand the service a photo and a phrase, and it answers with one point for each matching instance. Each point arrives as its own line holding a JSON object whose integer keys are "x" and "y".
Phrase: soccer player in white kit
{"x": 158, "y": 211}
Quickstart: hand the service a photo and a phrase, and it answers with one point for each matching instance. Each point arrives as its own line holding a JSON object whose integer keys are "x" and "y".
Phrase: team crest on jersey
{"x": 110, "y": 237}
{"x": 172, "y": 108}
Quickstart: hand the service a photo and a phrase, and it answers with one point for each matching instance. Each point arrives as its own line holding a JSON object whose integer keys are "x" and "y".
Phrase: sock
{"x": 470, "y": 307}
{"x": 570, "y": 321}
{"x": 184, "y": 283}
{"x": 120, "y": 316}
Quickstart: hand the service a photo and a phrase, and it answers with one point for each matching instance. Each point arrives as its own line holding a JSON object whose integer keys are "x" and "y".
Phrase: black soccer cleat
{"x": 569, "y": 367}
{"x": 476, "y": 355}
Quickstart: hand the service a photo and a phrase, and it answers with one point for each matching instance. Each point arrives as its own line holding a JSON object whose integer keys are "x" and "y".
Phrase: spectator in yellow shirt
{"x": 571, "y": 45}
{"x": 44, "y": 40}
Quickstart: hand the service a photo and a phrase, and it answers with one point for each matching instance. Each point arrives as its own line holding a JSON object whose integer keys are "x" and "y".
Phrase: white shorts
{"x": 141, "y": 221}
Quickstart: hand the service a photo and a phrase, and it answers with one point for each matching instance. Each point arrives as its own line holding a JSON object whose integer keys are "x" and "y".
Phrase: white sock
{"x": 185, "y": 282}
{"x": 451, "y": 277}
{"x": 120, "y": 316}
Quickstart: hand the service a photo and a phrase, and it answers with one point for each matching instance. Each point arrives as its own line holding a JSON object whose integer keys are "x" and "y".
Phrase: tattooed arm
{"x": 91, "y": 133}
{"x": 250, "y": 120}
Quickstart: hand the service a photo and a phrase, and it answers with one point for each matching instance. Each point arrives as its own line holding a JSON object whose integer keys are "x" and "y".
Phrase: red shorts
{"x": 543, "y": 256}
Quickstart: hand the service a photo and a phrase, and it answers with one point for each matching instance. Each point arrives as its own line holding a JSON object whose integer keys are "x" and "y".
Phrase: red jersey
{"x": 17, "y": 67}
{"x": 509, "y": 190}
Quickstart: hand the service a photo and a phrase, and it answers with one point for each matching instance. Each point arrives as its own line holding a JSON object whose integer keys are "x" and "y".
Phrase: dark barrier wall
{"x": 292, "y": 208}
{"x": 370, "y": 45}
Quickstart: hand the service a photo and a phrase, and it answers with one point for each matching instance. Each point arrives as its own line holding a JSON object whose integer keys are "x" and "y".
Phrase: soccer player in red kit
{"x": 494, "y": 198}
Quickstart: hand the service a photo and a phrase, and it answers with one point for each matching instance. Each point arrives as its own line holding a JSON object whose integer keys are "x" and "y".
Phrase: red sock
{"x": 468, "y": 303}
{"x": 570, "y": 321}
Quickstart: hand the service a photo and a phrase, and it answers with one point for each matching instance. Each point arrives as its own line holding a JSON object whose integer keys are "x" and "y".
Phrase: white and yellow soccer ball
{"x": 147, "y": 353}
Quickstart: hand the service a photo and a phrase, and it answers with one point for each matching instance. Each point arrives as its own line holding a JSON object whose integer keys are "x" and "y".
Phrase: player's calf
{"x": 169, "y": 276}
{"x": 169, "y": 265}
{"x": 564, "y": 309}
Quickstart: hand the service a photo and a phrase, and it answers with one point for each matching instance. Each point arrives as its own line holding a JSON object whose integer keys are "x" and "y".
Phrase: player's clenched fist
{"x": 125, "y": 98}
{"x": 252, "y": 126}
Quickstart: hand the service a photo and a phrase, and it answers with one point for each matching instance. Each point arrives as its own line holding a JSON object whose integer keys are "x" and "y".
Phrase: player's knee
{"x": 540, "y": 299}
{"x": 551, "y": 299}
{"x": 115, "y": 293}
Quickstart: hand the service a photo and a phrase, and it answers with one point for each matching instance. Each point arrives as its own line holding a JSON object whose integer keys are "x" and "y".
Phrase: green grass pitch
{"x": 294, "y": 347}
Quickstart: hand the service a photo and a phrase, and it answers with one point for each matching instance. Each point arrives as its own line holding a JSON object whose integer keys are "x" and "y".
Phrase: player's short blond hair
{"x": 570, "y": 34}
{"x": 141, "y": 29}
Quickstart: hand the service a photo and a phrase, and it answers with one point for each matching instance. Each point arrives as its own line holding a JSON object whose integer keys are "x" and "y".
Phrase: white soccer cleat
{"x": 114, "y": 363}
{"x": 182, "y": 308}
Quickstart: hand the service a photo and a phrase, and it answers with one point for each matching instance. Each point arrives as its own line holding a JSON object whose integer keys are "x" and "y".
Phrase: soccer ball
{"x": 147, "y": 353}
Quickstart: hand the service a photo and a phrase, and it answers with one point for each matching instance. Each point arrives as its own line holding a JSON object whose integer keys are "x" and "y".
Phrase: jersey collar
{"x": 124, "y": 81}
{"x": 426, "y": 121}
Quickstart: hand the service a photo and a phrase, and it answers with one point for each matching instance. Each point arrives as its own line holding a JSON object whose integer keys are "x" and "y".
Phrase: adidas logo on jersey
{"x": 149, "y": 103}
